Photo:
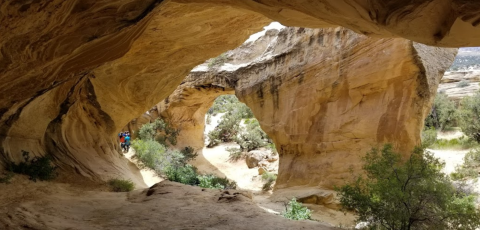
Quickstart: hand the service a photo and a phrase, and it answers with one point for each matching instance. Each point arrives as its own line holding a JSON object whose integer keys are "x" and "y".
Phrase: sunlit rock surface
{"x": 325, "y": 96}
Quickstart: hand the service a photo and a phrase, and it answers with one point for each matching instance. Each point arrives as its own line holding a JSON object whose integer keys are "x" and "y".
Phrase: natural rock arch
{"x": 325, "y": 97}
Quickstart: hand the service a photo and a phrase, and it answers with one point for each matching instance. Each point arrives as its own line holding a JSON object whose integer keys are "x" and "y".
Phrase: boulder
{"x": 254, "y": 157}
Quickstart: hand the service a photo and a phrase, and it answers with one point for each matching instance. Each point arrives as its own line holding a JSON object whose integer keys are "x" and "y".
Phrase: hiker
{"x": 127, "y": 141}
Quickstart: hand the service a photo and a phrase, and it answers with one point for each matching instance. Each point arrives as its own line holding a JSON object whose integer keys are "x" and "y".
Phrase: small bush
{"x": 214, "y": 182}
{"x": 209, "y": 119}
{"x": 455, "y": 143}
{"x": 470, "y": 166}
{"x": 183, "y": 174}
{"x": 217, "y": 61}
{"x": 6, "y": 179}
{"x": 149, "y": 152}
{"x": 269, "y": 179}
{"x": 463, "y": 83}
{"x": 226, "y": 130}
{"x": 235, "y": 154}
{"x": 189, "y": 154}
{"x": 295, "y": 211}
{"x": 36, "y": 168}
{"x": 160, "y": 131}
{"x": 443, "y": 114}
{"x": 429, "y": 137}
{"x": 119, "y": 185}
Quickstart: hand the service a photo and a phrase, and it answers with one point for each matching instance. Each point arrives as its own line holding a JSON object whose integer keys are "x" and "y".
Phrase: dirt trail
{"x": 150, "y": 177}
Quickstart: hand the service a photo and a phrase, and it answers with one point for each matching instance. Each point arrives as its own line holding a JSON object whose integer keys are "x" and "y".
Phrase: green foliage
{"x": 214, "y": 182}
{"x": 463, "y": 83}
{"x": 183, "y": 174}
{"x": 407, "y": 195}
{"x": 295, "y": 211}
{"x": 217, "y": 61}
{"x": 7, "y": 178}
{"x": 429, "y": 136}
{"x": 455, "y": 143}
{"x": 160, "y": 131}
{"x": 209, "y": 119}
{"x": 226, "y": 129}
{"x": 189, "y": 154}
{"x": 252, "y": 137}
{"x": 149, "y": 152}
{"x": 470, "y": 166}
{"x": 36, "y": 168}
{"x": 469, "y": 116}
{"x": 119, "y": 185}
{"x": 269, "y": 179}
{"x": 230, "y": 103}
{"x": 443, "y": 114}
{"x": 235, "y": 154}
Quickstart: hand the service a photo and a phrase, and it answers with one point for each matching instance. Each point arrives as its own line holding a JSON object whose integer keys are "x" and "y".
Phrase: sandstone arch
{"x": 326, "y": 97}
{"x": 74, "y": 72}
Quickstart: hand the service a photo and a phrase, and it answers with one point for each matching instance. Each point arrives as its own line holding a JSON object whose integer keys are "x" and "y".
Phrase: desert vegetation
{"x": 296, "y": 211}
{"x": 408, "y": 194}
{"x": 153, "y": 150}
{"x": 120, "y": 185}
{"x": 37, "y": 168}
{"x": 446, "y": 115}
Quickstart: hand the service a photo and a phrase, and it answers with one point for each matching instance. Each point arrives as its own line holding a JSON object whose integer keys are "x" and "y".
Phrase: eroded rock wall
{"x": 336, "y": 94}
{"x": 74, "y": 73}
{"x": 327, "y": 96}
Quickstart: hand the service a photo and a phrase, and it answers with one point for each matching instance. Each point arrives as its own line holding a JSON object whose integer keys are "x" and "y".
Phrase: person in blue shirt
{"x": 127, "y": 141}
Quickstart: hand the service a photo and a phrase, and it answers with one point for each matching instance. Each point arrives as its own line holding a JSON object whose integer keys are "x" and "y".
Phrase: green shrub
{"x": 252, "y": 137}
{"x": 226, "y": 130}
{"x": 269, "y": 179}
{"x": 463, "y": 83}
{"x": 189, "y": 154}
{"x": 469, "y": 116}
{"x": 119, "y": 185}
{"x": 209, "y": 119}
{"x": 149, "y": 152}
{"x": 411, "y": 194}
{"x": 230, "y": 103}
{"x": 429, "y": 137}
{"x": 443, "y": 114}
{"x": 183, "y": 174}
{"x": 214, "y": 182}
{"x": 40, "y": 168}
{"x": 295, "y": 211}
{"x": 455, "y": 143}
{"x": 7, "y": 178}
{"x": 235, "y": 154}
{"x": 469, "y": 168}
{"x": 160, "y": 131}
{"x": 217, "y": 61}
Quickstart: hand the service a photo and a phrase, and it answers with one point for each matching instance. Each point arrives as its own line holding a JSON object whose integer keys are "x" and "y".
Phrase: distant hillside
{"x": 467, "y": 58}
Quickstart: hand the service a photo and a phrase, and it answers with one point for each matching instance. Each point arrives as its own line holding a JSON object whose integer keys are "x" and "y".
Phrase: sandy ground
{"x": 150, "y": 177}
{"x": 215, "y": 160}
{"x": 167, "y": 205}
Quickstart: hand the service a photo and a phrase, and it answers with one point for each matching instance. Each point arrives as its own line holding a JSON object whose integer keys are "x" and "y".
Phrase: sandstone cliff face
{"x": 73, "y": 73}
{"x": 333, "y": 95}
{"x": 326, "y": 97}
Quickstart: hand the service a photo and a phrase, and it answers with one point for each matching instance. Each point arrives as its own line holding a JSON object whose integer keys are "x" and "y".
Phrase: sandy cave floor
{"x": 167, "y": 205}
